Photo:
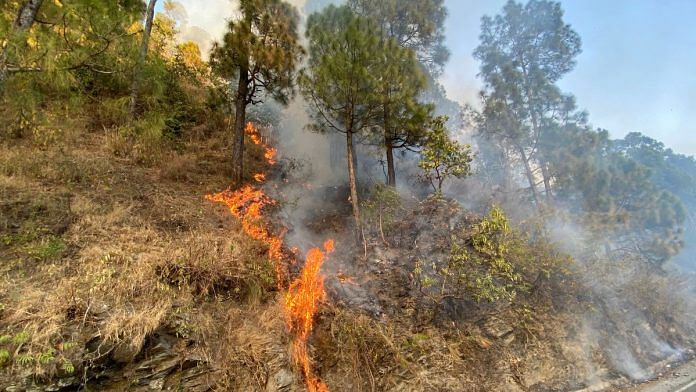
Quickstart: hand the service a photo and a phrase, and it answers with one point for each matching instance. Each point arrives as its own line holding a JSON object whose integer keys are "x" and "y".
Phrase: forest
{"x": 298, "y": 204}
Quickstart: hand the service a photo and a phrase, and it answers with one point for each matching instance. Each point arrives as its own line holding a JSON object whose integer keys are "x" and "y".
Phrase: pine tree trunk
{"x": 547, "y": 180}
{"x": 352, "y": 180}
{"x": 144, "y": 45}
{"x": 239, "y": 125}
{"x": 530, "y": 175}
{"x": 391, "y": 172}
{"x": 25, "y": 19}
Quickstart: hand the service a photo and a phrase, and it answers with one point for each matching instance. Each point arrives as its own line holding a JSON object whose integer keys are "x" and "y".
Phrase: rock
{"x": 125, "y": 353}
{"x": 282, "y": 380}
{"x": 156, "y": 385}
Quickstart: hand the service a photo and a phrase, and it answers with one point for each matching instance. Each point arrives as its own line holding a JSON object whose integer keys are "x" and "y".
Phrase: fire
{"x": 305, "y": 293}
{"x": 253, "y": 134}
{"x": 246, "y": 204}
{"x": 270, "y": 155}
{"x": 301, "y": 304}
{"x": 270, "y": 152}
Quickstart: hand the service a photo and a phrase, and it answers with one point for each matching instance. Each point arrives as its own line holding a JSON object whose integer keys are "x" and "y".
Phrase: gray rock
{"x": 282, "y": 380}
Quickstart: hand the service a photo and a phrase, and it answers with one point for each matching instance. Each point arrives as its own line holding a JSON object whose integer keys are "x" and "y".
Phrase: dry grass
{"x": 97, "y": 247}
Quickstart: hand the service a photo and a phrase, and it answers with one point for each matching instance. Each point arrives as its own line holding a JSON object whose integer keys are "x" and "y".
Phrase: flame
{"x": 305, "y": 293}
{"x": 253, "y": 133}
{"x": 246, "y": 204}
{"x": 270, "y": 155}
{"x": 301, "y": 304}
{"x": 270, "y": 152}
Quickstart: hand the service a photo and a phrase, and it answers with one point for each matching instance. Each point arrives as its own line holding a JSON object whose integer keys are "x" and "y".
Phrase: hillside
{"x": 303, "y": 208}
{"x": 120, "y": 276}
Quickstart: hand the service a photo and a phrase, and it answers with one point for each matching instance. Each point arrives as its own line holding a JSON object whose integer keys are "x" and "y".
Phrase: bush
{"x": 380, "y": 209}
{"x": 478, "y": 266}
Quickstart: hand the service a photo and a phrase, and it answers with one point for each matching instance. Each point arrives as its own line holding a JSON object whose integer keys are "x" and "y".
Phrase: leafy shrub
{"x": 380, "y": 210}
{"x": 478, "y": 266}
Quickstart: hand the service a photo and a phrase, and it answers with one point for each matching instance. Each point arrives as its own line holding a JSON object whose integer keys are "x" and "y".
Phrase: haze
{"x": 636, "y": 71}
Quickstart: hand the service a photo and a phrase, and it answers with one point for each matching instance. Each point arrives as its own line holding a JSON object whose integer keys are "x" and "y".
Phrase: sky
{"x": 637, "y": 71}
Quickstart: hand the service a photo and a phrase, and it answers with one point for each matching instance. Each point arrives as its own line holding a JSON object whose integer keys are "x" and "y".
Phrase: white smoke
{"x": 205, "y": 21}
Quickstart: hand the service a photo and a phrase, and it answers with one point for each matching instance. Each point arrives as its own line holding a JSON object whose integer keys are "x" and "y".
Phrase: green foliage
{"x": 4, "y": 357}
{"x": 47, "y": 248}
{"x": 524, "y": 51}
{"x": 481, "y": 264}
{"x": 264, "y": 44}
{"x": 76, "y": 44}
{"x": 381, "y": 209}
{"x": 417, "y": 25}
{"x": 443, "y": 158}
{"x": 67, "y": 366}
{"x": 341, "y": 79}
{"x": 20, "y": 350}
{"x": 20, "y": 338}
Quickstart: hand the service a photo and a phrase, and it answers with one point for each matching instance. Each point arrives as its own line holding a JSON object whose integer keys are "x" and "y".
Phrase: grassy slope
{"x": 100, "y": 254}
{"x": 121, "y": 274}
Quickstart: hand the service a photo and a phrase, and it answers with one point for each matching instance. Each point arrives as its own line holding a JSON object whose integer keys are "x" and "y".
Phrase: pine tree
{"x": 341, "y": 80}
{"x": 412, "y": 37}
{"x": 404, "y": 119}
{"x": 25, "y": 19}
{"x": 260, "y": 50}
{"x": 142, "y": 57}
{"x": 418, "y": 25}
{"x": 524, "y": 51}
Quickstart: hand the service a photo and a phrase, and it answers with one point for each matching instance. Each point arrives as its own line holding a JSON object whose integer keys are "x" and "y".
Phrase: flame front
{"x": 301, "y": 304}
{"x": 305, "y": 293}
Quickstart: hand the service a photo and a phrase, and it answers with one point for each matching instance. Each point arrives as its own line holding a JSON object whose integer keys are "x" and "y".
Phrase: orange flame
{"x": 270, "y": 155}
{"x": 246, "y": 204}
{"x": 255, "y": 136}
{"x": 307, "y": 291}
{"x": 253, "y": 133}
{"x": 301, "y": 304}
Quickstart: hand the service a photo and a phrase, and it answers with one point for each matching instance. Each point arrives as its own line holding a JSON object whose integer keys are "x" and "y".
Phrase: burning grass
{"x": 306, "y": 292}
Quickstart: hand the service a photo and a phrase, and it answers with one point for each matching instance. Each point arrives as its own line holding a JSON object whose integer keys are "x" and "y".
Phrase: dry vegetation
{"x": 119, "y": 275}
{"x": 106, "y": 256}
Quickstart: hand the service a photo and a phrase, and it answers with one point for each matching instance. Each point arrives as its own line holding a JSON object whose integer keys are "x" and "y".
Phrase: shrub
{"x": 380, "y": 210}
{"x": 478, "y": 266}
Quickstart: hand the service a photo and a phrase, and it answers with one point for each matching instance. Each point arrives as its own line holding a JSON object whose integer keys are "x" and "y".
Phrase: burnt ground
{"x": 380, "y": 332}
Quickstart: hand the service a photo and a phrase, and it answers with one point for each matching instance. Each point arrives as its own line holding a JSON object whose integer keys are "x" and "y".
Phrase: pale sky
{"x": 637, "y": 71}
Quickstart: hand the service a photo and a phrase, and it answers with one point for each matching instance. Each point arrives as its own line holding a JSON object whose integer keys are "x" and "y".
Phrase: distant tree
{"x": 403, "y": 118}
{"x": 144, "y": 45}
{"x": 341, "y": 81}
{"x": 616, "y": 197}
{"x": 524, "y": 51}
{"x": 443, "y": 158}
{"x": 262, "y": 51}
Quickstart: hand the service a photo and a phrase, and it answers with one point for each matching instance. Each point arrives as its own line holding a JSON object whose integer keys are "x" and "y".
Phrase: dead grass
{"x": 97, "y": 247}
{"x": 178, "y": 168}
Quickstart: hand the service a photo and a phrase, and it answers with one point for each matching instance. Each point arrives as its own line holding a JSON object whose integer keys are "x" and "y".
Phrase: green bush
{"x": 380, "y": 210}
{"x": 478, "y": 266}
